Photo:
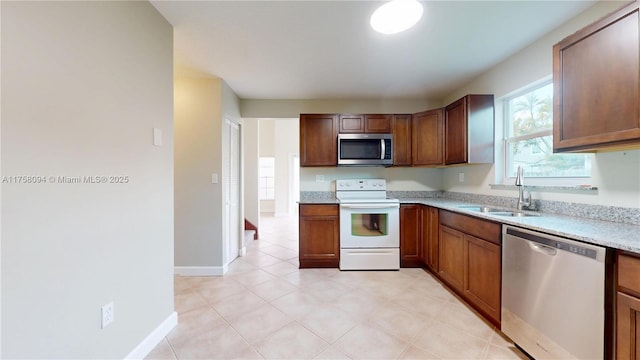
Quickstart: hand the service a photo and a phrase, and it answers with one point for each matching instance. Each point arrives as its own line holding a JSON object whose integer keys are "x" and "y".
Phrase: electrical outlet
{"x": 319, "y": 178}
{"x": 461, "y": 177}
{"x": 107, "y": 314}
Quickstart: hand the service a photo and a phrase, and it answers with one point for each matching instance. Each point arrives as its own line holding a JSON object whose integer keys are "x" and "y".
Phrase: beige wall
{"x": 83, "y": 85}
{"x": 251, "y": 152}
{"x": 267, "y": 149}
{"x": 616, "y": 174}
{"x": 198, "y": 155}
{"x": 398, "y": 179}
{"x": 286, "y": 144}
{"x": 200, "y": 108}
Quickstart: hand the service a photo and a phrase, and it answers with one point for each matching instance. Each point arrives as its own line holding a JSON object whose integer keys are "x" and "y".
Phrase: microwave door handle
{"x": 382, "y": 149}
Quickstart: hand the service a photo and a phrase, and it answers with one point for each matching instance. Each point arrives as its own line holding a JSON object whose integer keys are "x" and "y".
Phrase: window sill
{"x": 549, "y": 188}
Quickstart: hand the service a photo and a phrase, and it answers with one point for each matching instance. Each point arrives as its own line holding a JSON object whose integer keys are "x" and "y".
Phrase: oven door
{"x": 369, "y": 225}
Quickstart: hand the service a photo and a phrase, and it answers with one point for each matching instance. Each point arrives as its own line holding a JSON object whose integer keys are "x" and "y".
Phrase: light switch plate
{"x": 214, "y": 178}
{"x": 157, "y": 137}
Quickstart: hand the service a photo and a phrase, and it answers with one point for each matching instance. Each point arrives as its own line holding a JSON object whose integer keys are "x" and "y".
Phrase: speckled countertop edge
{"x": 611, "y": 234}
{"x": 605, "y": 233}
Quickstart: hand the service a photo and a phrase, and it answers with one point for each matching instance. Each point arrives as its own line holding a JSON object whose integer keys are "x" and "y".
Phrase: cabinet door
{"x": 319, "y": 236}
{"x": 410, "y": 249}
{"x": 430, "y": 237}
{"x": 318, "y": 140}
{"x": 352, "y": 123}
{"x": 426, "y": 142}
{"x": 628, "y": 327}
{"x": 451, "y": 257}
{"x": 380, "y": 124}
{"x": 401, "y": 140}
{"x": 455, "y": 130}
{"x": 482, "y": 276}
{"x": 432, "y": 260}
{"x": 596, "y": 79}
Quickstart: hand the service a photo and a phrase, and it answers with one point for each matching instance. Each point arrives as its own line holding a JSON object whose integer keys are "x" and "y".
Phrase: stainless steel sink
{"x": 496, "y": 211}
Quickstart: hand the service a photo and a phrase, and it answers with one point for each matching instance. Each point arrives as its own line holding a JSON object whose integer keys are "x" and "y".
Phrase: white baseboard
{"x": 201, "y": 270}
{"x": 154, "y": 338}
{"x": 243, "y": 251}
{"x": 281, "y": 214}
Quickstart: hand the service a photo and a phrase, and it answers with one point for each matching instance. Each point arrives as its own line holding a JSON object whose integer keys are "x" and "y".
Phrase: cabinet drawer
{"x": 483, "y": 229}
{"x": 629, "y": 273}
{"x": 318, "y": 210}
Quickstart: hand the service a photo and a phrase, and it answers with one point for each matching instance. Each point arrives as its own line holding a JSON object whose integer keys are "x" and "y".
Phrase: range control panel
{"x": 361, "y": 184}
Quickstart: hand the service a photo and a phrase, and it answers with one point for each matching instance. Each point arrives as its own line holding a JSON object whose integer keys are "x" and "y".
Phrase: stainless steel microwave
{"x": 365, "y": 149}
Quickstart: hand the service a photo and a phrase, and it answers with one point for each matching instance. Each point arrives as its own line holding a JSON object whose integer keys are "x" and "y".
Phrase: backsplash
{"x": 597, "y": 212}
{"x": 317, "y": 196}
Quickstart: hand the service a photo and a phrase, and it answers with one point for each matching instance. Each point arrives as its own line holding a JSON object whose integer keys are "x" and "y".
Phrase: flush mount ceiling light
{"x": 396, "y": 16}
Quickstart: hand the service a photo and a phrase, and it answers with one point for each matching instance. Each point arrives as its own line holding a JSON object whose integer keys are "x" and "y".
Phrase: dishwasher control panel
{"x": 549, "y": 241}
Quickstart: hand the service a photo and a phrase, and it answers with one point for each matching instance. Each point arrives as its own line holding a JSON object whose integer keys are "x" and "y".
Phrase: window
{"x": 266, "y": 174}
{"x": 529, "y": 138}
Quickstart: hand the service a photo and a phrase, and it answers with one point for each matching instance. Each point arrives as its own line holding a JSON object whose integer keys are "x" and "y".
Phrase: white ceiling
{"x": 327, "y": 50}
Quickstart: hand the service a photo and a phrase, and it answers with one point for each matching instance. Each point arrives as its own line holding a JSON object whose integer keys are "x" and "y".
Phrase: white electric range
{"x": 369, "y": 225}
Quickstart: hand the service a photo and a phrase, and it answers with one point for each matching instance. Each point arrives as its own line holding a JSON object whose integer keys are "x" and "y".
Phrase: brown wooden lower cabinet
{"x": 628, "y": 327}
{"x": 451, "y": 257}
{"x": 470, "y": 261}
{"x": 483, "y": 262}
{"x": 430, "y": 237}
{"x": 410, "y": 245}
{"x": 628, "y": 308}
{"x": 319, "y": 236}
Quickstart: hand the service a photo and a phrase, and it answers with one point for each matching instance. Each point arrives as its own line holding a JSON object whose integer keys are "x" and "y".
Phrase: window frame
{"x": 261, "y": 176}
{"x": 508, "y": 179}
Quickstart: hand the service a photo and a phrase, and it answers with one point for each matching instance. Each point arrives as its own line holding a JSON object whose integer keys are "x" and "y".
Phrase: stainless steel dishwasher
{"x": 553, "y": 295}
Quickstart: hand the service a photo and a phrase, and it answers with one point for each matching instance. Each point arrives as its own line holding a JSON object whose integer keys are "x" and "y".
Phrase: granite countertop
{"x": 606, "y": 233}
{"x": 617, "y": 235}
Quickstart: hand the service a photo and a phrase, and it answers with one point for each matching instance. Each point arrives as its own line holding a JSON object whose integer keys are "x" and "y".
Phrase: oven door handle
{"x": 370, "y": 206}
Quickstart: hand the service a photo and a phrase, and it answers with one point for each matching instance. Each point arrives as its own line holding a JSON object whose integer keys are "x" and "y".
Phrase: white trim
{"x": 154, "y": 338}
{"x": 281, "y": 214}
{"x": 201, "y": 270}
{"x": 243, "y": 251}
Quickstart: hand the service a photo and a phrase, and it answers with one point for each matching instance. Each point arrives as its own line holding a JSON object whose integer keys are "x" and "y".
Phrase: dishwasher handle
{"x": 542, "y": 248}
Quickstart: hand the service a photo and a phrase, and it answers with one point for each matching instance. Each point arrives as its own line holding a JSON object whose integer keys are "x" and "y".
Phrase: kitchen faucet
{"x": 523, "y": 201}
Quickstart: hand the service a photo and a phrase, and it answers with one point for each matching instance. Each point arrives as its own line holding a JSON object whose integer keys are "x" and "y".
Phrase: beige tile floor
{"x": 265, "y": 307}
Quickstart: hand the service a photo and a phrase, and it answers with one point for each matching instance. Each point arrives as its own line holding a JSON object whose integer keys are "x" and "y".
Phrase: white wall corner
{"x": 201, "y": 270}
{"x": 154, "y": 338}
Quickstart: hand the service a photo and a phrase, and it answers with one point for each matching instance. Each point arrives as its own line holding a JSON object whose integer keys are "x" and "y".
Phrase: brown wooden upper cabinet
{"x": 365, "y": 123}
{"x": 469, "y": 130}
{"x": 318, "y": 140}
{"x": 401, "y": 130}
{"x": 596, "y": 79}
{"x": 426, "y": 138}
